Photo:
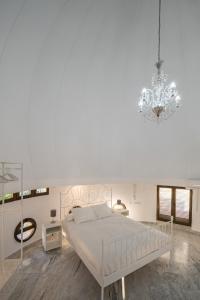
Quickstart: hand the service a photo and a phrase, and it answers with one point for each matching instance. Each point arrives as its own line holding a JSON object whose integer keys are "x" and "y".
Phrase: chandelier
{"x": 160, "y": 102}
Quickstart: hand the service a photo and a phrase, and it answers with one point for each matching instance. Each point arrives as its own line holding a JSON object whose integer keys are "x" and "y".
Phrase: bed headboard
{"x": 84, "y": 195}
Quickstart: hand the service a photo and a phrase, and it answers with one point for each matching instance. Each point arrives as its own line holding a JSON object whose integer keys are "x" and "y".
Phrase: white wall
{"x": 139, "y": 198}
{"x": 36, "y": 208}
{"x": 196, "y": 210}
{"x": 142, "y": 208}
{"x": 70, "y": 78}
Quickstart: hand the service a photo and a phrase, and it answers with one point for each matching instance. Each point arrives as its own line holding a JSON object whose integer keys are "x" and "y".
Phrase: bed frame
{"x": 88, "y": 195}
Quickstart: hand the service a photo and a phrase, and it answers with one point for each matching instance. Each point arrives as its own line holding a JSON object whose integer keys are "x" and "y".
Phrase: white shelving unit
{"x": 51, "y": 236}
{"x": 11, "y": 180}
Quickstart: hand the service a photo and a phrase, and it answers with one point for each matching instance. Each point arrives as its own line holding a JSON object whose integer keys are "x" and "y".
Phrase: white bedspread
{"x": 124, "y": 241}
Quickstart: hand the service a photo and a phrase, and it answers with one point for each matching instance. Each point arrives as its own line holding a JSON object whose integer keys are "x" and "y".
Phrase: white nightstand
{"x": 51, "y": 236}
{"x": 123, "y": 212}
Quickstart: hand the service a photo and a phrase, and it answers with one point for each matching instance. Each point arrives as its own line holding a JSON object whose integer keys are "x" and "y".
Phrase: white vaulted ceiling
{"x": 70, "y": 76}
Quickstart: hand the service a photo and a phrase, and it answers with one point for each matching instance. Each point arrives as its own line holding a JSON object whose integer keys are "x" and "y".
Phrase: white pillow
{"x": 102, "y": 211}
{"x": 83, "y": 214}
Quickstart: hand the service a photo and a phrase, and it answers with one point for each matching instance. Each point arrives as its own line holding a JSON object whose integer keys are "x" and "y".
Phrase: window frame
{"x": 173, "y": 205}
{"x": 17, "y": 197}
{"x": 40, "y": 194}
{"x": 25, "y": 196}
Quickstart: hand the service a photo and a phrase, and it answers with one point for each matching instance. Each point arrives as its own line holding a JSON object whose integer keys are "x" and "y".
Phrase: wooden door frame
{"x": 173, "y": 205}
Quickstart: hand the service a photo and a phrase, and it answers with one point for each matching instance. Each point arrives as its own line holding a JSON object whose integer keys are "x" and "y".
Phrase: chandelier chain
{"x": 159, "y": 28}
{"x": 162, "y": 100}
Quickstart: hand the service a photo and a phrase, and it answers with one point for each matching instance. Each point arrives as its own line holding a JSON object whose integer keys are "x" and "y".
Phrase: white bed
{"x": 87, "y": 237}
{"x": 115, "y": 246}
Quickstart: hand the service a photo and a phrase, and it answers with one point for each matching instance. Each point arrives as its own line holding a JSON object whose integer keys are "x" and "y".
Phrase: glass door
{"x": 183, "y": 206}
{"x": 165, "y": 203}
{"x": 176, "y": 202}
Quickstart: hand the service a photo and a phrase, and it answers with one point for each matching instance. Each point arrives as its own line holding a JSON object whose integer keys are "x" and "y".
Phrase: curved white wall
{"x": 143, "y": 208}
{"x": 140, "y": 199}
{"x": 70, "y": 76}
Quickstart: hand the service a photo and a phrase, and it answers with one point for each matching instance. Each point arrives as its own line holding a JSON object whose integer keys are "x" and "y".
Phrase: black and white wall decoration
{"x": 29, "y": 229}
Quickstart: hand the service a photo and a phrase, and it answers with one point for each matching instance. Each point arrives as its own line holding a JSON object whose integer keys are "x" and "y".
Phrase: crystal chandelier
{"x": 160, "y": 102}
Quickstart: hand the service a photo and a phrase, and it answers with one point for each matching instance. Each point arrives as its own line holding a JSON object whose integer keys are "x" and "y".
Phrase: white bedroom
{"x": 99, "y": 150}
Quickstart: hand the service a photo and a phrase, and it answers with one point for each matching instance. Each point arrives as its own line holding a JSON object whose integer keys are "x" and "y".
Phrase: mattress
{"x": 124, "y": 241}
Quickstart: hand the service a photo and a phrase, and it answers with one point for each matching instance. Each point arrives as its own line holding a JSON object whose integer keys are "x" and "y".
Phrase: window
{"x": 6, "y": 197}
{"x": 42, "y": 191}
{"x": 25, "y": 194}
{"x": 10, "y": 197}
{"x": 29, "y": 228}
{"x": 165, "y": 195}
{"x": 176, "y": 202}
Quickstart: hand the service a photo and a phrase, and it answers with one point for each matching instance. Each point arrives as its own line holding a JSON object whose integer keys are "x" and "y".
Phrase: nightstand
{"x": 51, "y": 236}
{"x": 123, "y": 212}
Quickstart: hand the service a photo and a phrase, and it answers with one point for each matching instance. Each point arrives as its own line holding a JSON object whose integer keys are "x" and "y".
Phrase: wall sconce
{"x": 120, "y": 208}
{"x": 53, "y": 215}
{"x": 119, "y": 205}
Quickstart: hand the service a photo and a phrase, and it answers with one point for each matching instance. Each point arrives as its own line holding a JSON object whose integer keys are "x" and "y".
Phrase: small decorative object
{"x": 120, "y": 208}
{"x": 160, "y": 102}
{"x": 29, "y": 229}
{"x": 119, "y": 205}
{"x": 53, "y": 215}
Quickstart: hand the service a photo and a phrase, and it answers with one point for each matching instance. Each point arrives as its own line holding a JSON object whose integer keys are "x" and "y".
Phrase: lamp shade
{"x": 76, "y": 206}
{"x": 119, "y": 205}
{"x": 53, "y": 213}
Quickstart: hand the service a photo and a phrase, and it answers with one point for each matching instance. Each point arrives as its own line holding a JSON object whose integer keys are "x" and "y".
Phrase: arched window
{"x": 29, "y": 228}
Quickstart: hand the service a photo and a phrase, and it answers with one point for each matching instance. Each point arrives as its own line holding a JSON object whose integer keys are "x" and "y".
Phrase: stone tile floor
{"x": 60, "y": 275}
